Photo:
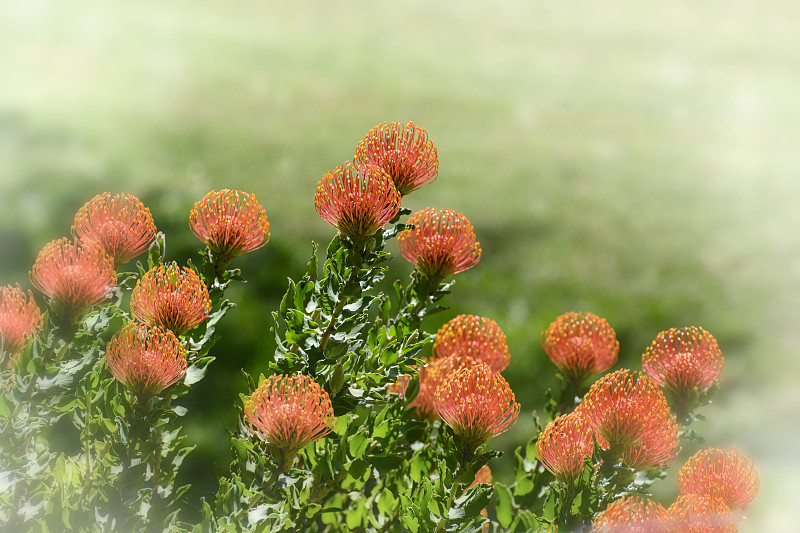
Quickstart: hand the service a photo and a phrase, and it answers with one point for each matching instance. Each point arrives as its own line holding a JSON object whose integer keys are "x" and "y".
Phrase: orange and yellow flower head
{"x": 357, "y": 200}
{"x": 403, "y": 151}
{"x": 632, "y": 419}
{"x": 430, "y": 377}
{"x": 289, "y": 412}
{"x": 684, "y": 359}
{"x": 564, "y": 444}
{"x": 74, "y": 277}
{"x": 700, "y": 514}
{"x": 580, "y": 345}
{"x": 145, "y": 359}
{"x": 120, "y": 224}
{"x": 718, "y": 473}
{"x": 171, "y": 297}
{"x": 441, "y": 244}
{"x": 633, "y": 515}
{"x": 230, "y": 223}
{"x": 472, "y": 336}
{"x": 476, "y": 403}
{"x": 20, "y": 318}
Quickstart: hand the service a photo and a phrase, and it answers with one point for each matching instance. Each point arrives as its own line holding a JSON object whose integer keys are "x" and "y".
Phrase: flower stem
{"x": 455, "y": 490}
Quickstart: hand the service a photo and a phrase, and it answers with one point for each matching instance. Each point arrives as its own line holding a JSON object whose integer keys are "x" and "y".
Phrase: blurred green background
{"x": 634, "y": 159}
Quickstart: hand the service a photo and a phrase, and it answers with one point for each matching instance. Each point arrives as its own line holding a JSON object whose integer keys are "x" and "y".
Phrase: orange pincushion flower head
{"x": 700, "y": 514}
{"x": 430, "y": 377}
{"x": 684, "y": 359}
{"x": 357, "y": 200}
{"x": 441, "y": 244}
{"x": 289, "y": 412}
{"x": 725, "y": 474}
{"x": 477, "y": 404}
{"x": 580, "y": 345}
{"x": 171, "y": 297}
{"x": 230, "y": 222}
{"x": 145, "y": 359}
{"x": 20, "y": 318}
{"x": 120, "y": 224}
{"x": 74, "y": 277}
{"x": 403, "y": 151}
{"x": 631, "y": 418}
{"x": 633, "y": 515}
{"x": 473, "y": 336}
{"x": 563, "y": 445}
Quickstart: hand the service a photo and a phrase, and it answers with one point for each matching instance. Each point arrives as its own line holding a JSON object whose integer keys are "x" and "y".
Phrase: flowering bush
{"x": 362, "y": 420}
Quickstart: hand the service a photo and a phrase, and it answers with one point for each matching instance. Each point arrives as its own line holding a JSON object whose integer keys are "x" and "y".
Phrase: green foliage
{"x": 80, "y": 452}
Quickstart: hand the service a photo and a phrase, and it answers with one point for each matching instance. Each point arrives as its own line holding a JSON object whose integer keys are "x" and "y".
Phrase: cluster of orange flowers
{"x": 715, "y": 486}
{"x": 168, "y": 301}
{"x": 361, "y": 196}
{"x": 627, "y": 414}
{"x": 358, "y": 198}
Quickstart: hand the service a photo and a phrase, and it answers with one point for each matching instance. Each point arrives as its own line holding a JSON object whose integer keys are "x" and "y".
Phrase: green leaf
{"x": 505, "y": 505}
{"x": 197, "y": 370}
{"x": 358, "y": 468}
{"x": 386, "y": 502}
{"x": 358, "y": 445}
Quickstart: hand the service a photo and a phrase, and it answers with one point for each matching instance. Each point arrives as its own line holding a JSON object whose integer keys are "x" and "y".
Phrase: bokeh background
{"x": 634, "y": 159}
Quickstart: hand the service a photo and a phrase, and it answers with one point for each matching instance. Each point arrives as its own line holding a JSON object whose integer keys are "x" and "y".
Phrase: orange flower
{"x": 725, "y": 474}
{"x": 74, "y": 277}
{"x": 633, "y": 515}
{"x": 700, "y": 514}
{"x": 483, "y": 475}
{"x": 476, "y": 403}
{"x": 580, "y": 345}
{"x": 357, "y": 200}
{"x": 563, "y": 445}
{"x": 430, "y": 377}
{"x": 172, "y": 298}
{"x": 146, "y": 360}
{"x": 403, "y": 151}
{"x": 20, "y": 318}
{"x": 441, "y": 244}
{"x": 631, "y": 418}
{"x": 289, "y": 412}
{"x": 231, "y": 223}
{"x": 473, "y": 336}
{"x": 683, "y": 360}
{"x": 120, "y": 224}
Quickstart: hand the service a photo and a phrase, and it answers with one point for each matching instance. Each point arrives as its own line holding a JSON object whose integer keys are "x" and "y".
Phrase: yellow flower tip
{"x": 473, "y": 336}
{"x": 580, "y": 344}
{"x": 403, "y": 151}
{"x": 357, "y": 200}
{"x": 441, "y": 244}
{"x": 171, "y": 297}
{"x": 120, "y": 224}
{"x": 230, "y": 223}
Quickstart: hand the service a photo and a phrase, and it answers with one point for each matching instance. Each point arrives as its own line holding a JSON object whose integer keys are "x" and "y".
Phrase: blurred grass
{"x": 635, "y": 160}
